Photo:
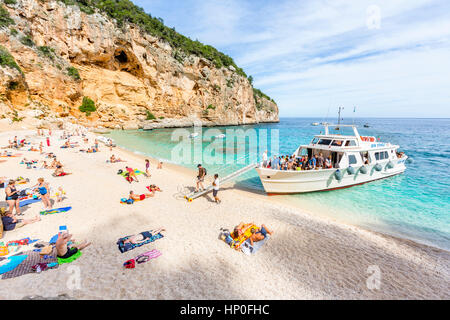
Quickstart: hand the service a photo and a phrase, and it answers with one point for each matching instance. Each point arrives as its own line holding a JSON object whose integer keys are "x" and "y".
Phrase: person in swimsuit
{"x": 12, "y": 197}
{"x": 147, "y": 167}
{"x": 259, "y": 234}
{"x": 143, "y": 236}
{"x": 63, "y": 250}
{"x": 238, "y": 230}
{"x": 143, "y": 196}
{"x": 11, "y": 223}
{"x": 42, "y": 188}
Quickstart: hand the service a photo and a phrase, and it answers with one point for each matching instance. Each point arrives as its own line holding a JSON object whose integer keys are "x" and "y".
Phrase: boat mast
{"x": 339, "y": 117}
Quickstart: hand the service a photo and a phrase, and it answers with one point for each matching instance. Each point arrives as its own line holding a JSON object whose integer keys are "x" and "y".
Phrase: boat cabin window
{"x": 381, "y": 155}
{"x": 350, "y": 143}
{"x": 314, "y": 141}
{"x": 352, "y": 159}
{"x": 325, "y": 142}
{"x": 337, "y": 143}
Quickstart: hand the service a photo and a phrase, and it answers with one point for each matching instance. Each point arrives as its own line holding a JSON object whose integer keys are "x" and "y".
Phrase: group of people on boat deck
{"x": 285, "y": 162}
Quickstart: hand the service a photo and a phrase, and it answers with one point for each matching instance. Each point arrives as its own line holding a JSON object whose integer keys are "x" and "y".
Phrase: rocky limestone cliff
{"x": 127, "y": 73}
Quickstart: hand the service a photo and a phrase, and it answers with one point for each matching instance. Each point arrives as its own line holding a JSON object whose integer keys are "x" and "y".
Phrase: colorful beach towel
{"x": 57, "y": 210}
{"x": 124, "y": 247}
{"x": 71, "y": 259}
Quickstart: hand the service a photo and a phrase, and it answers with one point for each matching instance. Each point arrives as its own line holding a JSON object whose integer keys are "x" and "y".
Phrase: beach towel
{"x": 25, "y": 267}
{"x": 248, "y": 249}
{"x": 124, "y": 247}
{"x": 28, "y": 201}
{"x": 53, "y": 211}
{"x": 70, "y": 259}
{"x": 11, "y": 263}
{"x": 144, "y": 257}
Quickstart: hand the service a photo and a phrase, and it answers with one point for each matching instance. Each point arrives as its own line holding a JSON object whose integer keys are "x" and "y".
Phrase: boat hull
{"x": 288, "y": 182}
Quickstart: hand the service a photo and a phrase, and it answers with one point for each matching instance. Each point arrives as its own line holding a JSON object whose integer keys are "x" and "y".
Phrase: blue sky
{"x": 387, "y": 58}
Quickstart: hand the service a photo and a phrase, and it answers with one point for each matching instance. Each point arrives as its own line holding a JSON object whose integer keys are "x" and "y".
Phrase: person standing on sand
{"x": 216, "y": 185}
{"x": 200, "y": 177}
{"x": 12, "y": 197}
{"x": 147, "y": 167}
{"x": 48, "y": 142}
{"x": 43, "y": 189}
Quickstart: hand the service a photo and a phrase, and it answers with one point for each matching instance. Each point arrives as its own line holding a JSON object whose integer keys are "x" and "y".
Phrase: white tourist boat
{"x": 355, "y": 160}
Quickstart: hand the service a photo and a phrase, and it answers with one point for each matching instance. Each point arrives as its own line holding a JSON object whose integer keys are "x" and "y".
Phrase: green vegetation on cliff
{"x": 5, "y": 19}
{"x": 6, "y": 59}
{"x": 87, "y": 106}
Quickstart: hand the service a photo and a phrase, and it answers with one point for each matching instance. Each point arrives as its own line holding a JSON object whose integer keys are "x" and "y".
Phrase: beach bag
{"x": 130, "y": 201}
{"x": 3, "y": 250}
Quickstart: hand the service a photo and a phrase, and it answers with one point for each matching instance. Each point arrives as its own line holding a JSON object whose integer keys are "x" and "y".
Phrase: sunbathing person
{"x": 138, "y": 238}
{"x": 238, "y": 230}
{"x": 259, "y": 234}
{"x": 113, "y": 159}
{"x": 143, "y": 196}
{"x": 10, "y": 222}
{"x": 63, "y": 250}
{"x": 59, "y": 172}
{"x": 153, "y": 188}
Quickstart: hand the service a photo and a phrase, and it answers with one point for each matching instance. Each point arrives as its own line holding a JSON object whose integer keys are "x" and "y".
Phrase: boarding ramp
{"x": 193, "y": 195}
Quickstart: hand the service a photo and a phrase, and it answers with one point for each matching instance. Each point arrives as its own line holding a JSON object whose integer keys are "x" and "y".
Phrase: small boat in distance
{"x": 315, "y": 124}
{"x": 193, "y": 135}
{"x": 353, "y": 160}
{"x": 366, "y": 125}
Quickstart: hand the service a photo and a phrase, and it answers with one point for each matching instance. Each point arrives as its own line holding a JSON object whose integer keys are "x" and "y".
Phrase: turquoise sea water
{"x": 414, "y": 205}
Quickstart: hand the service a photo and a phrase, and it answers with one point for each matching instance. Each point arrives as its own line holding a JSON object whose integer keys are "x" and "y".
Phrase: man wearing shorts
{"x": 200, "y": 177}
{"x": 259, "y": 234}
{"x": 216, "y": 188}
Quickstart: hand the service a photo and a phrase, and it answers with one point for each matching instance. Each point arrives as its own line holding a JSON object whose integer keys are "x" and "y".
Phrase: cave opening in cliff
{"x": 121, "y": 57}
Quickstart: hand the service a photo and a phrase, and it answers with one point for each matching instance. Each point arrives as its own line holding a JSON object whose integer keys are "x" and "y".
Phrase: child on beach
{"x": 60, "y": 194}
{"x": 159, "y": 165}
{"x": 147, "y": 167}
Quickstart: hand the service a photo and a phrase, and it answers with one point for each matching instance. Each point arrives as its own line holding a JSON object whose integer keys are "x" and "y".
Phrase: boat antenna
{"x": 339, "y": 117}
{"x": 354, "y": 111}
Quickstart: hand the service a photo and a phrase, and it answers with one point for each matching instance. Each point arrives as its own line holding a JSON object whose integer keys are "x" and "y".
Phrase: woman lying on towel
{"x": 64, "y": 252}
{"x": 59, "y": 172}
{"x": 153, "y": 188}
{"x": 143, "y": 196}
{"x": 113, "y": 159}
{"x": 140, "y": 237}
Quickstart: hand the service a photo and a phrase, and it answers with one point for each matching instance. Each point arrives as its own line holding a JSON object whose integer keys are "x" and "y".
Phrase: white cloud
{"x": 310, "y": 55}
